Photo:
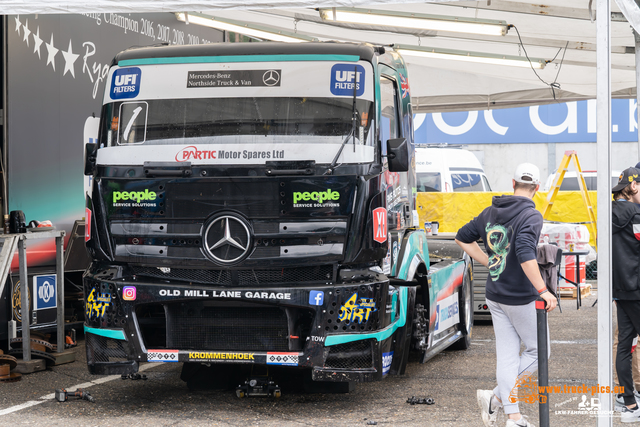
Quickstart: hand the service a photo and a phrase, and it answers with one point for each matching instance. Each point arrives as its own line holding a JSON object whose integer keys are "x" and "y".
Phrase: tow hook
{"x": 259, "y": 387}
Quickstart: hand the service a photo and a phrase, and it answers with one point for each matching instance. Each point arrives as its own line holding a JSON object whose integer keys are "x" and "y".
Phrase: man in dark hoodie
{"x": 510, "y": 229}
{"x": 625, "y": 253}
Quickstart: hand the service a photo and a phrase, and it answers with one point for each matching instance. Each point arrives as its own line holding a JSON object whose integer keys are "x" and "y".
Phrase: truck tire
{"x": 466, "y": 314}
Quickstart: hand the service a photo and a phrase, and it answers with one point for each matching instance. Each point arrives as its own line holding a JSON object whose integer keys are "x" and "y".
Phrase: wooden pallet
{"x": 571, "y": 293}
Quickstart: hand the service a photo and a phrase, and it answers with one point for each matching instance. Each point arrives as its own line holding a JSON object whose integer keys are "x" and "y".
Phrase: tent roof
{"x": 445, "y": 85}
{"x": 546, "y": 28}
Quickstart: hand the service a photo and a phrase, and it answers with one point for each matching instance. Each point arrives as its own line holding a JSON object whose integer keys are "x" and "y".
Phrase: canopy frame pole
{"x": 636, "y": 37}
{"x": 603, "y": 149}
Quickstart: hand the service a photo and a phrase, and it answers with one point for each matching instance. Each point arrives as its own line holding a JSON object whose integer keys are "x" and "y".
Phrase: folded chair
{"x": 557, "y": 266}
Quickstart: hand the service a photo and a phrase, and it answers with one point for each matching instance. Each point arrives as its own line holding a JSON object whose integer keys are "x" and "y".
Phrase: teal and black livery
{"x": 284, "y": 235}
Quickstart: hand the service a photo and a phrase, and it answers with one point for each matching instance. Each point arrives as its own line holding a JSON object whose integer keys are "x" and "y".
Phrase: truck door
{"x": 395, "y": 122}
{"x": 395, "y": 184}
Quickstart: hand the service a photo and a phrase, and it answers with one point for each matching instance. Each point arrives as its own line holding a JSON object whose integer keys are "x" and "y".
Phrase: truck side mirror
{"x": 398, "y": 155}
{"x": 90, "y": 150}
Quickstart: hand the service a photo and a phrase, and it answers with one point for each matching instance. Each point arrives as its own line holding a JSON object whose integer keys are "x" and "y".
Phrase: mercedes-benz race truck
{"x": 253, "y": 203}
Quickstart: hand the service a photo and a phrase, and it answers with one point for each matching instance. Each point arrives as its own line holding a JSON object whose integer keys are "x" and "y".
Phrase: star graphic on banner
{"x": 38, "y": 42}
{"x": 18, "y": 24}
{"x": 69, "y": 60}
{"x": 27, "y": 31}
{"x": 51, "y": 53}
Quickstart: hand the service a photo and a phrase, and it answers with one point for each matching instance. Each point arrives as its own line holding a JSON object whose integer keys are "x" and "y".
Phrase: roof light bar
{"x": 255, "y": 31}
{"x": 460, "y": 55}
{"x": 414, "y": 20}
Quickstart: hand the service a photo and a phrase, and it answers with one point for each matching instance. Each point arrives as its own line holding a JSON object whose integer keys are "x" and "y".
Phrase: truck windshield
{"x": 571, "y": 183}
{"x": 428, "y": 182}
{"x": 236, "y": 120}
{"x": 466, "y": 182}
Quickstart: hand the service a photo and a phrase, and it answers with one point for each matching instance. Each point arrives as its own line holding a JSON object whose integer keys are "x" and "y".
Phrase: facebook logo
{"x": 316, "y": 297}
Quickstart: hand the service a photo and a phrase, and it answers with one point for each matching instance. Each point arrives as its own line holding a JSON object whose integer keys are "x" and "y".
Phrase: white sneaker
{"x": 489, "y": 414}
{"x": 629, "y": 416}
{"x": 522, "y": 422}
{"x": 619, "y": 403}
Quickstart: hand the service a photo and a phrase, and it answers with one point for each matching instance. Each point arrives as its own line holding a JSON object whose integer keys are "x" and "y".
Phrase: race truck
{"x": 254, "y": 204}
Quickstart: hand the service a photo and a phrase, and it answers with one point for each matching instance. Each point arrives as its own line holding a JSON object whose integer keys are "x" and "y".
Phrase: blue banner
{"x": 566, "y": 122}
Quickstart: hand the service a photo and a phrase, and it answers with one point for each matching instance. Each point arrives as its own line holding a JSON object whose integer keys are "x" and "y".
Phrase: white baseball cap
{"x": 527, "y": 173}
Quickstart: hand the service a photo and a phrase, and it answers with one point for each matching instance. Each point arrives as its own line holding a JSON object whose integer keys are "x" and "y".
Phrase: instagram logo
{"x": 129, "y": 293}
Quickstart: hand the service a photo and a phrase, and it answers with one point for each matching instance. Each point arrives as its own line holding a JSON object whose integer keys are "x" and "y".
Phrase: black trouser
{"x": 628, "y": 329}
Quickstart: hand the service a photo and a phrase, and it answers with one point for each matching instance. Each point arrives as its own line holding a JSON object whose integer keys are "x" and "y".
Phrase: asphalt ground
{"x": 451, "y": 378}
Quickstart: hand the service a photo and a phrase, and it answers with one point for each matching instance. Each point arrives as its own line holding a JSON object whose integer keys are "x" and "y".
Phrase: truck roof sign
{"x": 312, "y": 79}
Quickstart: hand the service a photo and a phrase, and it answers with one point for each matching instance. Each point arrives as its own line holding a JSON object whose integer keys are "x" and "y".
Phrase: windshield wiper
{"x": 352, "y": 132}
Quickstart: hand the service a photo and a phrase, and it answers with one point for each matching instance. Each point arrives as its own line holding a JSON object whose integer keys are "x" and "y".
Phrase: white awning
{"x": 445, "y": 85}
{"x": 546, "y": 28}
{"x": 18, "y": 7}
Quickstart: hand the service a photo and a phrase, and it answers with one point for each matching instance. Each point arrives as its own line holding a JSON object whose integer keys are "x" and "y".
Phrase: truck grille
{"x": 353, "y": 355}
{"x": 220, "y": 277}
{"x": 323, "y": 273}
{"x": 103, "y": 349}
{"x": 185, "y": 200}
{"x": 191, "y": 326}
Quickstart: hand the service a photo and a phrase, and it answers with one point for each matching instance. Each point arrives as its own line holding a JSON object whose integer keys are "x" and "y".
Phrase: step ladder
{"x": 568, "y": 157}
{"x": 9, "y": 245}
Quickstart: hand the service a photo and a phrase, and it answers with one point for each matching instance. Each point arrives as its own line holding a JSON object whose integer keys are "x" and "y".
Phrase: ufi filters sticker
{"x": 125, "y": 83}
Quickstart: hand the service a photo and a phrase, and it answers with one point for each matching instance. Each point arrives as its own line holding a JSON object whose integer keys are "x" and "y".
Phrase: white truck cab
{"x": 449, "y": 169}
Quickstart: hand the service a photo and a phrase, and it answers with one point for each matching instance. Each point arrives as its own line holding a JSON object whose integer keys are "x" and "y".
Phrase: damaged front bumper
{"x": 341, "y": 331}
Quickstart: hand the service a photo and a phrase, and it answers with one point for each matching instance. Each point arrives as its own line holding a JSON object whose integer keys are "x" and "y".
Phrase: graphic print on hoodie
{"x": 510, "y": 229}
{"x": 498, "y": 244}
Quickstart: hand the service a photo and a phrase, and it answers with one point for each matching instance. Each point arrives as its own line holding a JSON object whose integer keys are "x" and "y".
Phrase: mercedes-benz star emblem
{"x": 227, "y": 239}
{"x": 271, "y": 77}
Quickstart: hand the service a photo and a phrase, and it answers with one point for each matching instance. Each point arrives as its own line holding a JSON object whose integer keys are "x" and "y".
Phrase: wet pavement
{"x": 451, "y": 378}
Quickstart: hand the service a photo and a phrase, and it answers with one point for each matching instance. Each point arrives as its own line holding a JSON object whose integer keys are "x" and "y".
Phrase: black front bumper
{"x": 340, "y": 331}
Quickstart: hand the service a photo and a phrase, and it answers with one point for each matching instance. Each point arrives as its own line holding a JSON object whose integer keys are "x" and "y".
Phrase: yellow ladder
{"x": 557, "y": 182}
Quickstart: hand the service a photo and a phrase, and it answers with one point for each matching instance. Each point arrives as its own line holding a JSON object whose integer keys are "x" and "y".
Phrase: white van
{"x": 449, "y": 169}
{"x": 570, "y": 180}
